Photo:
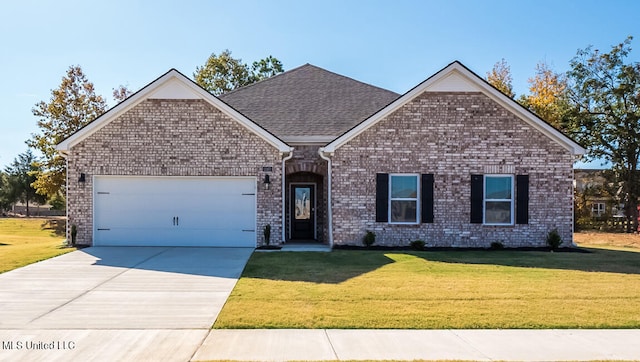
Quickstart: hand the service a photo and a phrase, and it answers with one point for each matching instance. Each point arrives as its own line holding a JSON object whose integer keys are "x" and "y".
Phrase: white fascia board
{"x": 521, "y": 112}
{"x": 156, "y": 87}
{"x": 434, "y": 84}
{"x": 110, "y": 115}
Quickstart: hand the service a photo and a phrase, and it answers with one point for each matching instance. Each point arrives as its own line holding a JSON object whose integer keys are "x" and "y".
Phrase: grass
{"x": 440, "y": 289}
{"x": 27, "y": 240}
{"x": 610, "y": 240}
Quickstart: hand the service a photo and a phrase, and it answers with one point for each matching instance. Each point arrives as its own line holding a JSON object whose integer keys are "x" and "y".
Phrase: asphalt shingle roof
{"x": 308, "y": 101}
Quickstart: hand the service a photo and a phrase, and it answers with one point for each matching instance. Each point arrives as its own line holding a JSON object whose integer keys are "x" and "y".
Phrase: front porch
{"x": 306, "y": 198}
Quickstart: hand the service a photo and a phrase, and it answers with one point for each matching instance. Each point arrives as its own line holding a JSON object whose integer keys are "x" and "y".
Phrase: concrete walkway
{"x": 408, "y": 345}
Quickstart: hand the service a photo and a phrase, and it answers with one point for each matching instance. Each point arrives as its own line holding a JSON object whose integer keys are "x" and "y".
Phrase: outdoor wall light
{"x": 82, "y": 178}
{"x": 267, "y": 182}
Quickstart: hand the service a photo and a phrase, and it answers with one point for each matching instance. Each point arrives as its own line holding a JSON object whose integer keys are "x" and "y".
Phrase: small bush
{"x": 554, "y": 239}
{"x": 417, "y": 244}
{"x": 267, "y": 234}
{"x": 497, "y": 245}
{"x": 74, "y": 233}
{"x": 369, "y": 238}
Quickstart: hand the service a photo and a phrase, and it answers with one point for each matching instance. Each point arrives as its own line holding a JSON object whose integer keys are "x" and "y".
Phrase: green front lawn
{"x": 438, "y": 289}
{"x": 24, "y": 241}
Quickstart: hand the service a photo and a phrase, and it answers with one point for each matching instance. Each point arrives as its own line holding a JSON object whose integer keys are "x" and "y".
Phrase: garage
{"x": 174, "y": 211}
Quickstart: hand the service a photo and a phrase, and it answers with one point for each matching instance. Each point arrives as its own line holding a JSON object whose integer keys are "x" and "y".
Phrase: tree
{"x": 6, "y": 194}
{"x": 223, "y": 73}
{"x": 121, "y": 93}
{"x": 500, "y": 77}
{"x": 265, "y": 68}
{"x": 21, "y": 175}
{"x": 58, "y": 202}
{"x": 72, "y": 106}
{"x": 548, "y": 95}
{"x": 604, "y": 93}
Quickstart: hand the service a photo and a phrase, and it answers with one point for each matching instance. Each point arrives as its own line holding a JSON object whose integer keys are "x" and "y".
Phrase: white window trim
{"x": 598, "y": 211}
{"x": 484, "y": 200}
{"x": 416, "y": 199}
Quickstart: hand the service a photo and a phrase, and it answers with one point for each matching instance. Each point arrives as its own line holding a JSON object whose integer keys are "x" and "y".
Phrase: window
{"x": 498, "y": 199}
{"x": 597, "y": 209}
{"x": 403, "y": 199}
{"x": 397, "y": 198}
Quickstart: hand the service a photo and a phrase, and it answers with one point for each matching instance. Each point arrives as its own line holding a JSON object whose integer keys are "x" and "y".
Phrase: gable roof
{"x": 171, "y": 85}
{"x": 455, "y": 77}
{"x": 308, "y": 103}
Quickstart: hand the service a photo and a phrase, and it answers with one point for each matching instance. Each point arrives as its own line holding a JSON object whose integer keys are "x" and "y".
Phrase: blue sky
{"x": 390, "y": 44}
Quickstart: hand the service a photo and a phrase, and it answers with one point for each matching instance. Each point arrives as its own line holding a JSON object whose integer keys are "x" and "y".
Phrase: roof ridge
{"x": 264, "y": 80}
{"x": 352, "y": 79}
{"x": 306, "y": 65}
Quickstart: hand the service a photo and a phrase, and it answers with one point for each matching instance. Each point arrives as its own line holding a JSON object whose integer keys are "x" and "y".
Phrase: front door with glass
{"x": 303, "y": 211}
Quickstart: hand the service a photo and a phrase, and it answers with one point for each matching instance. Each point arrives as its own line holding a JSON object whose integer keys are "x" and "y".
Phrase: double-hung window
{"x": 498, "y": 200}
{"x": 403, "y": 198}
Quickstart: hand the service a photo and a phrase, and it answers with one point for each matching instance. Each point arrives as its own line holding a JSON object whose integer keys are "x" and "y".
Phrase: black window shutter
{"x": 477, "y": 198}
{"x": 522, "y": 199}
{"x": 382, "y": 197}
{"x": 426, "y": 202}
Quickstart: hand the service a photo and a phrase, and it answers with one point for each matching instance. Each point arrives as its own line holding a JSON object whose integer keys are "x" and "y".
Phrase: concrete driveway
{"x": 94, "y": 303}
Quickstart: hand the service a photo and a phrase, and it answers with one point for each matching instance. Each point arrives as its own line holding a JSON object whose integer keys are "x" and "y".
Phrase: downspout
{"x": 576, "y": 158}
{"x": 329, "y": 207}
{"x": 284, "y": 194}
{"x": 67, "y": 227}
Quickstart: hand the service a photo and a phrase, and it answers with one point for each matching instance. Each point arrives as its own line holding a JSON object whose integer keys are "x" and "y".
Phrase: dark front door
{"x": 303, "y": 211}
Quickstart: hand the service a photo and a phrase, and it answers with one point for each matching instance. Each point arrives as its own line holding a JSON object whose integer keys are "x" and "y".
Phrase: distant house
{"x": 591, "y": 187}
{"x": 320, "y": 157}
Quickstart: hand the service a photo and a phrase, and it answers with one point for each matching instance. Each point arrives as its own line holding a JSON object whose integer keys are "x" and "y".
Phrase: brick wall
{"x": 173, "y": 138}
{"x": 452, "y": 135}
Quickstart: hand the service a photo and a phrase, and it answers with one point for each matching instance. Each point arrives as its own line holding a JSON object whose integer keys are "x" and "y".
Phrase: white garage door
{"x": 174, "y": 211}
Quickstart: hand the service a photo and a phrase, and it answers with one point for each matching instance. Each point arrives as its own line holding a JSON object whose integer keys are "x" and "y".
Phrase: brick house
{"x": 320, "y": 157}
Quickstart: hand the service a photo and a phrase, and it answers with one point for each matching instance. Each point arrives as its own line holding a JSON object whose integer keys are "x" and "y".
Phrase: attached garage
{"x": 173, "y": 165}
{"x": 174, "y": 211}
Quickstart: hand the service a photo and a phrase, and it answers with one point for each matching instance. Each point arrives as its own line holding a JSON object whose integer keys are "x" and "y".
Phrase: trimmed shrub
{"x": 554, "y": 239}
{"x": 267, "y": 234}
{"x": 369, "y": 238}
{"x": 74, "y": 233}
{"x": 497, "y": 245}
{"x": 417, "y": 244}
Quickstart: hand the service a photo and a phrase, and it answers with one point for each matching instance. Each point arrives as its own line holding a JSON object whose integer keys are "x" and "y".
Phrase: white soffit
{"x": 174, "y": 89}
{"x": 453, "y": 82}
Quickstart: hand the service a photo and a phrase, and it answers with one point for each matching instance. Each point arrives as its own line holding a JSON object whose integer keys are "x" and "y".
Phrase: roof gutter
{"x": 284, "y": 193}
{"x": 326, "y": 156}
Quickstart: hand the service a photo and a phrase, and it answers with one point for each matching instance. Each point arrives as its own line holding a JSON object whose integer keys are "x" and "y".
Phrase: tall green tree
{"x": 548, "y": 95}
{"x": 604, "y": 91}
{"x": 6, "y": 194}
{"x": 72, "y": 105}
{"x": 265, "y": 68}
{"x": 21, "y": 175}
{"x": 223, "y": 73}
{"x": 500, "y": 77}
